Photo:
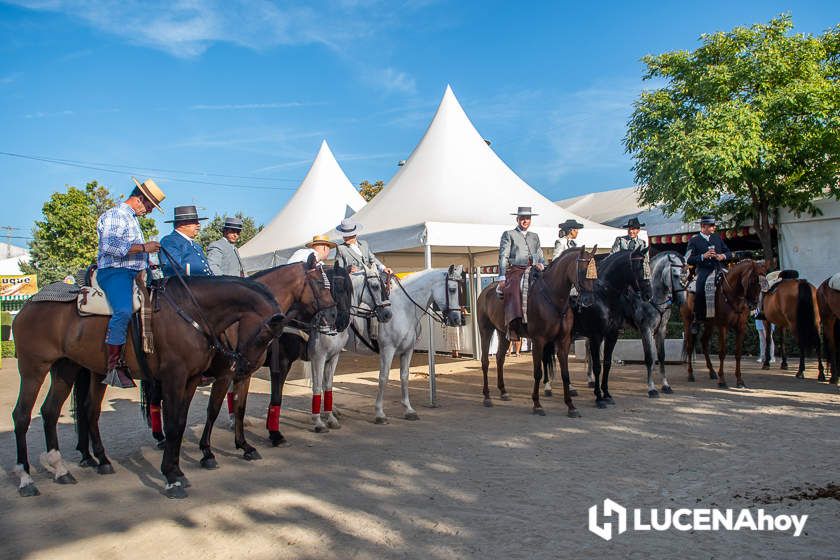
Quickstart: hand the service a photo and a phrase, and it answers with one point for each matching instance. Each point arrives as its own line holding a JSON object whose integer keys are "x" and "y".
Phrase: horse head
{"x": 585, "y": 275}
{"x": 342, "y": 293}
{"x": 751, "y": 280}
{"x": 451, "y": 297}
{"x": 316, "y": 298}
{"x": 375, "y": 286}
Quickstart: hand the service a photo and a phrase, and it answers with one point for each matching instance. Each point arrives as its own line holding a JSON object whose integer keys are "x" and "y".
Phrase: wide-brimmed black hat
{"x": 633, "y": 223}
{"x": 570, "y": 224}
{"x": 524, "y": 211}
{"x": 707, "y": 220}
{"x": 184, "y": 214}
{"x": 233, "y": 223}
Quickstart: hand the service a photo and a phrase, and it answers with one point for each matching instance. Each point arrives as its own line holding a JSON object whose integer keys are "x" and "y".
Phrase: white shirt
{"x": 302, "y": 255}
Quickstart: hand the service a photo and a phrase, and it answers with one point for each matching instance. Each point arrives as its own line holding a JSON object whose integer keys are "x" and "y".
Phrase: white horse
{"x": 409, "y": 300}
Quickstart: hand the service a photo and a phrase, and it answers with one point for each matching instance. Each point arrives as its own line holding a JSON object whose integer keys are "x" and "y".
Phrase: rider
{"x": 320, "y": 246}
{"x": 631, "y": 241}
{"x": 123, "y": 252}
{"x": 180, "y": 245}
{"x": 355, "y": 254}
{"x": 706, "y": 252}
{"x": 222, "y": 254}
{"x": 518, "y": 249}
{"x": 567, "y": 235}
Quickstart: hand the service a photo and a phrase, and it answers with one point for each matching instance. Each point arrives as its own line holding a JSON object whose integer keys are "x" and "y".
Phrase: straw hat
{"x": 151, "y": 191}
{"x": 321, "y": 240}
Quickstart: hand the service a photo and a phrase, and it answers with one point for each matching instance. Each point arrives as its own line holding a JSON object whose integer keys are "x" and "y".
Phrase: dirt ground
{"x": 464, "y": 481}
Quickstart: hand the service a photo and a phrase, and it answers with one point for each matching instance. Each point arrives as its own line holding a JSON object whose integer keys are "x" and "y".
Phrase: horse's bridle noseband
{"x": 384, "y": 302}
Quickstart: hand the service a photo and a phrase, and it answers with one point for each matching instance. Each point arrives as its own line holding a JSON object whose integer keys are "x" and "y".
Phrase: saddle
{"x": 515, "y": 291}
{"x": 92, "y": 300}
{"x": 775, "y": 278}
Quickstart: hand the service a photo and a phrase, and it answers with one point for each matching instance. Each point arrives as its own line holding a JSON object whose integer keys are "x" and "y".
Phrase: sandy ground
{"x": 462, "y": 482}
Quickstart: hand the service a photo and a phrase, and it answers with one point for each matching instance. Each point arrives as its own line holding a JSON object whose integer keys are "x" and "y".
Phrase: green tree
{"x": 747, "y": 124}
{"x": 368, "y": 190}
{"x": 66, "y": 239}
{"x": 212, "y": 230}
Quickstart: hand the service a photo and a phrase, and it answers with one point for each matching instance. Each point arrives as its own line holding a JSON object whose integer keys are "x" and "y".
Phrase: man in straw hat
{"x": 518, "y": 249}
{"x": 222, "y": 254}
{"x": 181, "y": 247}
{"x": 567, "y": 235}
{"x": 320, "y": 246}
{"x": 706, "y": 251}
{"x": 123, "y": 252}
{"x": 355, "y": 254}
{"x": 631, "y": 241}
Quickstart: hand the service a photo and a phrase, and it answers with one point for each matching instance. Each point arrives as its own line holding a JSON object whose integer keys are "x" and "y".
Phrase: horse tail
{"x": 146, "y": 399}
{"x": 548, "y": 362}
{"x": 80, "y": 399}
{"x": 806, "y": 320}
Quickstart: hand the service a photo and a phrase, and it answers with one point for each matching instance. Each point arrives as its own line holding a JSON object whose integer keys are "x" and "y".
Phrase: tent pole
{"x": 432, "y": 381}
{"x": 476, "y": 285}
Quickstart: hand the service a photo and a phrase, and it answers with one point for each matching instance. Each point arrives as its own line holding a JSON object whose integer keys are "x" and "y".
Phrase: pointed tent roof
{"x": 460, "y": 194}
{"x": 323, "y": 199}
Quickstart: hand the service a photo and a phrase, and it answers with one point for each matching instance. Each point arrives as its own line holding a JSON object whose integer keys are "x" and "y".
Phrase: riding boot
{"x": 117, "y": 375}
{"x": 759, "y": 315}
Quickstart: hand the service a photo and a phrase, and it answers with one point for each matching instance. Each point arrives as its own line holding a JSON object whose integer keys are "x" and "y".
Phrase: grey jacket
{"x": 346, "y": 256}
{"x": 622, "y": 243}
{"x": 516, "y": 247}
{"x": 561, "y": 245}
{"x": 223, "y": 258}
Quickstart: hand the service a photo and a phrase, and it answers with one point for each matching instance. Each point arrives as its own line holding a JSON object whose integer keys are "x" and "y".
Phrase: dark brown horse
{"x": 301, "y": 292}
{"x": 792, "y": 305}
{"x": 734, "y": 296}
{"x": 829, "y": 304}
{"x": 186, "y": 340}
{"x": 549, "y": 326}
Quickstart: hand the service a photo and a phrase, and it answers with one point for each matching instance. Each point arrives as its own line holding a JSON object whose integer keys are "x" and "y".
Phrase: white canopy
{"x": 323, "y": 199}
{"x": 455, "y": 194}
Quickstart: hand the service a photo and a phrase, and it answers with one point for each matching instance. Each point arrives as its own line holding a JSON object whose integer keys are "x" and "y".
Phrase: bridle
{"x": 443, "y": 317}
{"x": 753, "y": 272}
{"x": 671, "y": 289}
{"x": 368, "y": 312}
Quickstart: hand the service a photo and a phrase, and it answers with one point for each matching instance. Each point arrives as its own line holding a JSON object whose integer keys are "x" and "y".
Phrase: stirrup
{"x": 117, "y": 377}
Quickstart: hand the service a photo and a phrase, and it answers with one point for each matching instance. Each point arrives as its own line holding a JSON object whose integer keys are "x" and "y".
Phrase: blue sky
{"x": 242, "y": 93}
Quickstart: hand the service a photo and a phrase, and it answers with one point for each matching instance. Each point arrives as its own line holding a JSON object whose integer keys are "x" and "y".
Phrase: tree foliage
{"x": 212, "y": 230}
{"x": 747, "y": 124}
{"x": 66, "y": 240}
{"x": 368, "y": 190}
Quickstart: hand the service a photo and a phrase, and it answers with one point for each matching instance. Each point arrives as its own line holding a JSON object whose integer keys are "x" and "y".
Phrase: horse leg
{"x": 660, "y": 353}
{"x": 329, "y": 373}
{"x": 830, "y": 345}
{"x": 688, "y": 347}
{"x": 722, "y": 355}
{"x": 32, "y": 376}
{"x": 97, "y": 394}
{"x": 707, "y": 335}
{"x": 504, "y": 344}
{"x": 486, "y": 335}
{"x": 386, "y": 356}
{"x": 739, "y": 345}
{"x": 279, "y": 364}
{"x": 405, "y": 363}
{"x": 62, "y": 376}
{"x": 594, "y": 346}
{"x": 783, "y": 348}
{"x": 214, "y": 405}
{"x": 240, "y": 390}
{"x": 609, "y": 346}
{"x": 536, "y": 358}
{"x": 317, "y": 366}
{"x": 768, "y": 343}
{"x": 81, "y": 396}
{"x": 592, "y": 381}
{"x": 175, "y": 408}
{"x": 648, "y": 345}
{"x": 821, "y": 375}
{"x": 562, "y": 345}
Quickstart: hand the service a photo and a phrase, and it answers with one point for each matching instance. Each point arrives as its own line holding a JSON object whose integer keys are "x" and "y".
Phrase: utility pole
{"x": 9, "y": 236}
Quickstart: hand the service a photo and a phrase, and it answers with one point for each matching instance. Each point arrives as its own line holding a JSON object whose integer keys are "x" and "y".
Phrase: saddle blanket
{"x": 57, "y": 291}
{"x": 525, "y": 284}
{"x": 711, "y": 289}
{"x": 834, "y": 282}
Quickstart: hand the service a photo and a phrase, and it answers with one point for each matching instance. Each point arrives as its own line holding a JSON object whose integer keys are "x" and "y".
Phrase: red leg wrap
{"x": 328, "y": 401}
{"x": 157, "y": 423}
{"x": 316, "y": 404}
{"x": 272, "y": 423}
{"x": 230, "y": 403}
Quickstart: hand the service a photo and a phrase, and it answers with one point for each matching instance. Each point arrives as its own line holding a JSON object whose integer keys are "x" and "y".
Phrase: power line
{"x": 98, "y": 167}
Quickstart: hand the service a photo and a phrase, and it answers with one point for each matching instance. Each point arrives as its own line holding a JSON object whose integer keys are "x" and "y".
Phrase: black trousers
{"x": 700, "y": 293}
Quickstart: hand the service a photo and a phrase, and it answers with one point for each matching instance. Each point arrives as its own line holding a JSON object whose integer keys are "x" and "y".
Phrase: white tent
{"x": 322, "y": 200}
{"x": 807, "y": 243}
{"x": 456, "y": 195}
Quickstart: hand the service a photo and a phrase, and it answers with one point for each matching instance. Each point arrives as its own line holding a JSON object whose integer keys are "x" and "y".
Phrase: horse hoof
{"x": 277, "y": 439}
{"x": 88, "y": 462}
{"x": 65, "y": 479}
{"x": 765, "y": 366}
{"x": 333, "y": 425}
{"x": 653, "y": 394}
{"x": 28, "y": 491}
{"x": 741, "y": 385}
{"x": 505, "y": 397}
{"x": 667, "y": 389}
{"x": 573, "y": 392}
{"x": 784, "y": 366}
{"x": 723, "y": 386}
{"x": 321, "y": 429}
{"x": 713, "y": 375}
{"x": 184, "y": 481}
{"x": 547, "y": 392}
{"x": 821, "y": 377}
{"x": 800, "y": 375}
{"x": 609, "y": 400}
{"x": 411, "y": 416}
{"x": 380, "y": 420}
{"x": 591, "y": 384}
{"x": 175, "y": 492}
{"x": 161, "y": 444}
{"x": 209, "y": 463}
{"x": 105, "y": 468}
{"x": 488, "y": 403}
{"x": 574, "y": 413}
{"x": 252, "y": 455}
{"x": 539, "y": 411}
{"x": 600, "y": 403}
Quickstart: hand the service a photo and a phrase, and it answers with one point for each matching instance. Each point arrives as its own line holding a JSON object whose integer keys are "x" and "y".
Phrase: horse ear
{"x": 311, "y": 261}
{"x": 276, "y": 323}
{"x": 451, "y": 268}
{"x": 594, "y": 249}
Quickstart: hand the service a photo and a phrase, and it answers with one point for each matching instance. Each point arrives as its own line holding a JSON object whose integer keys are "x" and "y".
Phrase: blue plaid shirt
{"x": 118, "y": 230}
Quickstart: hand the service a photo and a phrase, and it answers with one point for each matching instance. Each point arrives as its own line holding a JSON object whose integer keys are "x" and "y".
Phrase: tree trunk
{"x": 761, "y": 223}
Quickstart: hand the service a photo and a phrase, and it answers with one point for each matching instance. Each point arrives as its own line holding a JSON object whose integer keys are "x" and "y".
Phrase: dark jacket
{"x": 697, "y": 245}
{"x": 188, "y": 254}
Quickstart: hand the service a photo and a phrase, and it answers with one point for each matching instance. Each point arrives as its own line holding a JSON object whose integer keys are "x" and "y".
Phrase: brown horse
{"x": 792, "y": 305}
{"x": 734, "y": 296}
{"x": 304, "y": 295}
{"x": 549, "y": 326}
{"x": 829, "y": 304}
{"x": 186, "y": 341}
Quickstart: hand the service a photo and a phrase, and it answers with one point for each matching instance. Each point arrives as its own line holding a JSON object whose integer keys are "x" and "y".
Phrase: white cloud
{"x": 394, "y": 80}
{"x": 42, "y": 114}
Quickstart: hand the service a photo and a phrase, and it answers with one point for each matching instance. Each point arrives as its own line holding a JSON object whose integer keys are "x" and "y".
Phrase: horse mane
{"x": 232, "y": 280}
{"x": 262, "y": 273}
